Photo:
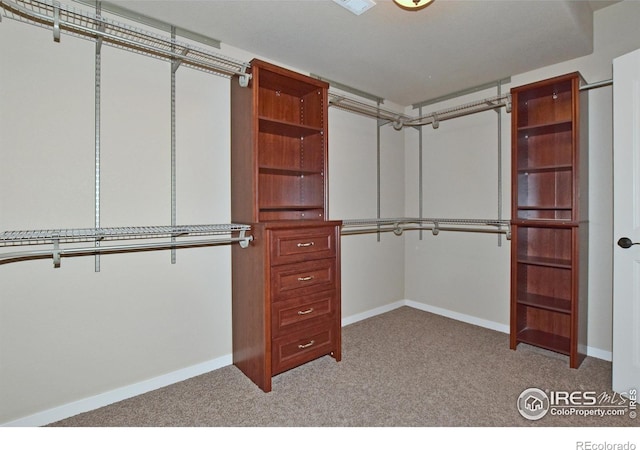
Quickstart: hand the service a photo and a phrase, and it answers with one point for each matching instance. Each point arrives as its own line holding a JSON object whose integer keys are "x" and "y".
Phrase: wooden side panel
{"x": 251, "y": 313}
{"x": 583, "y": 232}
{"x": 243, "y": 163}
{"x": 337, "y": 323}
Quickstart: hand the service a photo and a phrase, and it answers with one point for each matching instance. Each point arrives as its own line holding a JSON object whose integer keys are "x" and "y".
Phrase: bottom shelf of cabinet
{"x": 543, "y": 339}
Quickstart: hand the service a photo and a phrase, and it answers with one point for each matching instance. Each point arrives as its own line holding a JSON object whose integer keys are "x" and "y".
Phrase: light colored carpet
{"x": 405, "y": 368}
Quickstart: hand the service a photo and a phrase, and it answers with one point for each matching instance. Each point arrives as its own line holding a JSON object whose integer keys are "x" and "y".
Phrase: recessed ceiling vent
{"x": 356, "y": 6}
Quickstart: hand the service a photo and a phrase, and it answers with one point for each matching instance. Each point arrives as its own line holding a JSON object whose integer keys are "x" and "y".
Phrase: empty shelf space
{"x": 546, "y": 262}
{"x": 547, "y": 168}
{"x": 544, "y": 208}
{"x": 545, "y": 340}
{"x": 289, "y": 207}
{"x": 285, "y": 128}
{"x": 545, "y": 128}
{"x": 560, "y": 305}
{"x": 291, "y": 171}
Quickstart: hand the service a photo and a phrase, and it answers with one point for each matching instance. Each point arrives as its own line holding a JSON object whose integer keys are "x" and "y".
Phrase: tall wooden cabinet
{"x": 549, "y": 250}
{"x": 286, "y": 285}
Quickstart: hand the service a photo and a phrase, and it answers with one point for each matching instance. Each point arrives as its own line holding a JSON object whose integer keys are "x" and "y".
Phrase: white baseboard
{"x": 372, "y": 313}
{"x": 591, "y": 351}
{"x": 599, "y": 353}
{"x": 97, "y": 401}
{"x": 459, "y": 316}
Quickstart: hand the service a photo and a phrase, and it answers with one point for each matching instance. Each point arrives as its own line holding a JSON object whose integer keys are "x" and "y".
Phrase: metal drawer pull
{"x": 310, "y": 277}
{"x": 305, "y": 312}
{"x": 307, "y": 345}
{"x": 306, "y": 244}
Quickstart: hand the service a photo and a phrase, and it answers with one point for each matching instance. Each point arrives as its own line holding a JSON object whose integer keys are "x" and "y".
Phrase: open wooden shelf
{"x": 285, "y": 128}
{"x": 549, "y": 207}
{"x": 542, "y": 339}
{"x": 560, "y": 305}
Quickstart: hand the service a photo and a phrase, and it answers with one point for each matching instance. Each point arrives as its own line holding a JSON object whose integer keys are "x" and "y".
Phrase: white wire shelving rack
{"x": 434, "y": 118}
{"x": 65, "y": 19}
{"x": 68, "y": 20}
{"x": 401, "y": 224}
{"x": 352, "y": 105}
{"x": 59, "y": 240}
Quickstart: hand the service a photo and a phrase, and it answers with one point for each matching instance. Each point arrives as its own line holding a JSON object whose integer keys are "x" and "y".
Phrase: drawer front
{"x": 299, "y": 312}
{"x": 294, "y": 280}
{"x": 297, "y": 245}
{"x": 298, "y": 348}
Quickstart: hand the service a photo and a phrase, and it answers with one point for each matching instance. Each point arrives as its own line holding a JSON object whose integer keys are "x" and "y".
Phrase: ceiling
{"x": 400, "y": 56}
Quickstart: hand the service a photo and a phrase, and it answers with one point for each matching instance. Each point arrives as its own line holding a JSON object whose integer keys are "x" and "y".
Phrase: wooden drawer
{"x": 303, "y": 244}
{"x": 294, "y": 280}
{"x": 298, "y": 348}
{"x": 300, "y": 312}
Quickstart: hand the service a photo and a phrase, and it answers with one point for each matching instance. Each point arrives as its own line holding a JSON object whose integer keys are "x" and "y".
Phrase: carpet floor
{"x": 404, "y": 368}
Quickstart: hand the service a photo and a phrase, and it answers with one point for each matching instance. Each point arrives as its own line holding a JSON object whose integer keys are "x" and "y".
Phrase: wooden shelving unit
{"x": 549, "y": 216}
{"x": 286, "y": 288}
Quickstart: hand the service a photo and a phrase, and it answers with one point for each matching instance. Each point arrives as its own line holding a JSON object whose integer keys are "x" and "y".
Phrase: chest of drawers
{"x": 286, "y": 298}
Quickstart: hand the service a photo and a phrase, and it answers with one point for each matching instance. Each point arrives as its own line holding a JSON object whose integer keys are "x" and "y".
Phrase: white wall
{"x": 468, "y": 275}
{"x": 353, "y": 189}
{"x": 69, "y": 334}
{"x": 460, "y": 274}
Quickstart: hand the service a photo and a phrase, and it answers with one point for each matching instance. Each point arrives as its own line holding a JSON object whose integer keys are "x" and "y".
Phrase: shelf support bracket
{"x": 244, "y": 76}
{"x": 56, "y": 21}
{"x": 436, "y": 122}
{"x": 397, "y": 229}
{"x": 56, "y": 253}
{"x": 244, "y": 240}
{"x": 176, "y": 62}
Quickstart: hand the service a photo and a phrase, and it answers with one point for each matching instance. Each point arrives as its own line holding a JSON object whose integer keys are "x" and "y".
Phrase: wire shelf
{"x": 62, "y": 18}
{"x": 434, "y": 118}
{"x": 62, "y": 236}
{"x": 355, "y": 106}
{"x": 487, "y": 104}
{"x": 191, "y": 236}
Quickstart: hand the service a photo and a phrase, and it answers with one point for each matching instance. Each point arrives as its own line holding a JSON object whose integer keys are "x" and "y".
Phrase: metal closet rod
{"x": 400, "y": 121}
{"x": 355, "y": 106}
{"x": 65, "y": 19}
{"x": 487, "y": 104}
{"x": 435, "y": 225}
{"x": 233, "y": 233}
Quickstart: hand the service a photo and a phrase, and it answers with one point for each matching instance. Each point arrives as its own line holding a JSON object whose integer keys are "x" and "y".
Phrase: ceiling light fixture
{"x": 413, "y": 5}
